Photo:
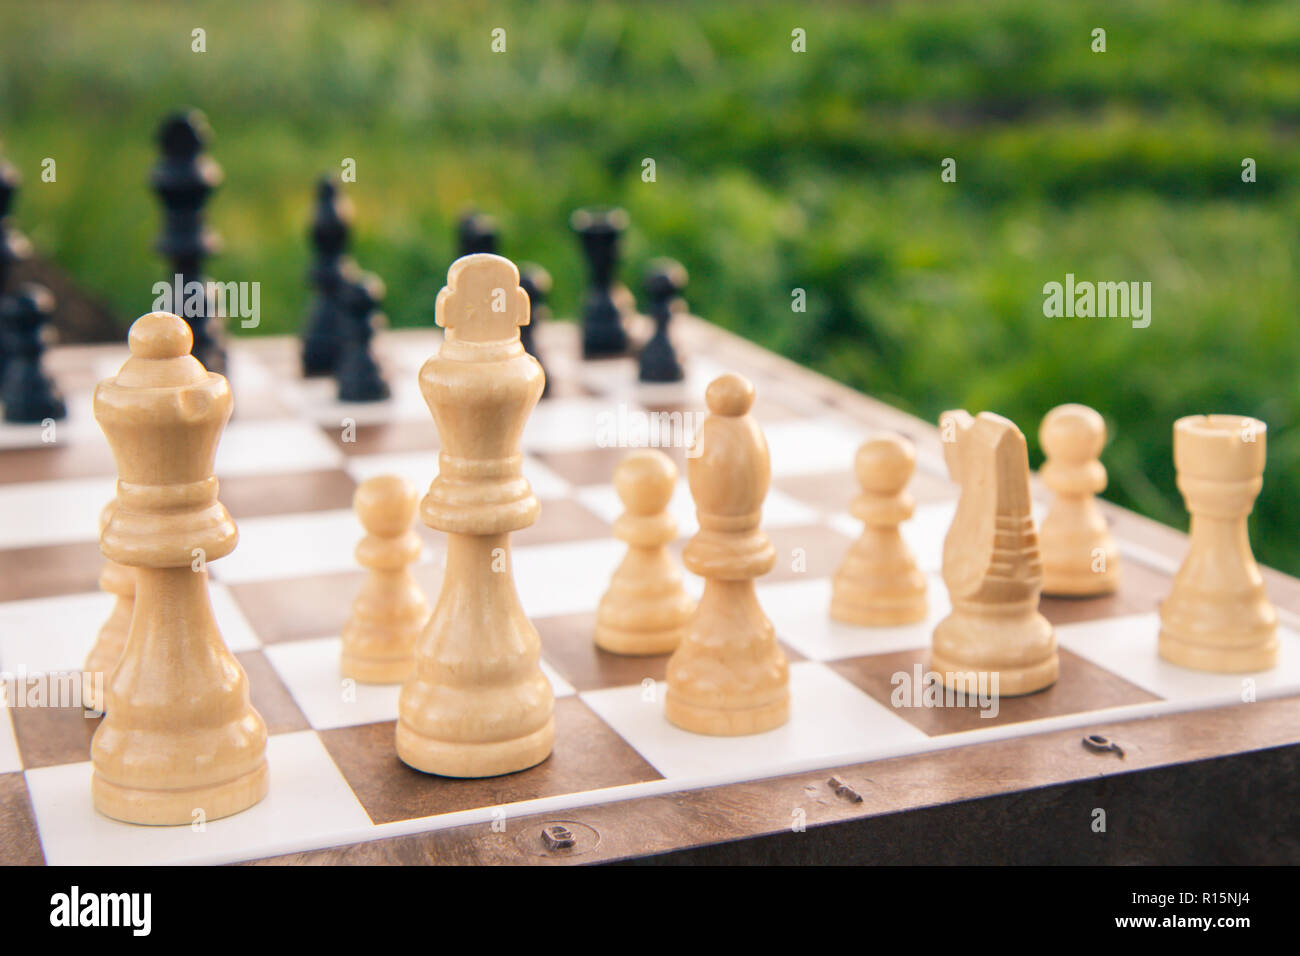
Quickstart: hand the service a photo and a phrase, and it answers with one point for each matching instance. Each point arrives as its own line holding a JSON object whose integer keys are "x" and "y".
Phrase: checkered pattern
{"x": 289, "y": 462}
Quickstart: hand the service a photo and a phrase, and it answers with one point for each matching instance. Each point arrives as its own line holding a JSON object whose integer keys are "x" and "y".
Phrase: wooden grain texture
{"x": 19, "y": 842}
{"x": 1200, "y": 787}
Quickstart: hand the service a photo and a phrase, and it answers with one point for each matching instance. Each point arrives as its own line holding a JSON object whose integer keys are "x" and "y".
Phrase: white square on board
{"x": 53, "y": 512}
{"x": 830, "y": 719}
{"x": 274, "y": 446}
{"x": 570, "y": 424}
{"x": 308, "y": 801}
{"x": 293, "y": 546}
{"x": 809, "y": 447}
{"x": 564, "y": 578}
{"x": 54, "y": 634}
{"x": 1127, "y": 646}
{"x": 800, "y": 613}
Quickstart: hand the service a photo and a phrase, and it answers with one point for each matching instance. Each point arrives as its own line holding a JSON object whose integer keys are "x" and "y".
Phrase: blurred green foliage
{"x": 775, "y": 170}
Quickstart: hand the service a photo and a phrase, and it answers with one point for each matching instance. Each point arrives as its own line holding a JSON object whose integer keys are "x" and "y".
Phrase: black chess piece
{"x": 14, "y": 247}
{"x": 665, "y": 279}
{"x": 183, "y": 179}
{"x": 475, "y": 232}
{"x": 28, "y": 394}
{"x": 535, "y": 281}
{"x": 599, "y": 231}
{"x": 327, "y": 326}
{"x": 358, "y": 375}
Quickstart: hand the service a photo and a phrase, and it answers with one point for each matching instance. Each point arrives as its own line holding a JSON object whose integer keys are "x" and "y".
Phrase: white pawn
{"x": 879, "y": 584}
{"x": 1079, "y": 555}
{"x": 645, "y": 609}
{"x": 389, "y": 613}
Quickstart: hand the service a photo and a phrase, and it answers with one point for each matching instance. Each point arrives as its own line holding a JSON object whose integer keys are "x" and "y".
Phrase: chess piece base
{"x": 448, "y": 758}
{"x": 1012, "y": 681}
{"x": 727, "y": 721}
{"x": 729, "y": 676}
{"x": 634, "y": 643}
{"x": 176, "y": 807}
{"x": 880, "y": 611}
{"x": 1223, "y": 660}
{"x": 377, "y": 670}
{"x": 1207, "y": 631}
{"x": 1020, "y": 647}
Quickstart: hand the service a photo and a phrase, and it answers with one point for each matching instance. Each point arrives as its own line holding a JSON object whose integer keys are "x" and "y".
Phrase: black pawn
{"x": 183, "y": 179}
{"x": 358, "y": 375}
{"x": 327, "y": 326}
{"x": 29, "y": 395}
{"x": 14, "y": 247}
{"x": 535, "y": 281}
{"x": 475, "y": 232}
{"x": 664, "y": 282}
{"x": 599, "y": 231}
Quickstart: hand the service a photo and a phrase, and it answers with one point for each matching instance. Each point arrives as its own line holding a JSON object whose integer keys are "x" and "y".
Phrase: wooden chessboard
{"x": 851, "y": 777}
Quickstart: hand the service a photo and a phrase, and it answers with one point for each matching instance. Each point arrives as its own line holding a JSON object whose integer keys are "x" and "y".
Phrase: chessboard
{"x": 622, "y": 782}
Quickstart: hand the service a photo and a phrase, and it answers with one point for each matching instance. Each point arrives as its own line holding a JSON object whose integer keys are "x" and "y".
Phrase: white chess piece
{"x": 878, "y": 584}
{"x": 645, "y": 610}
{"x": 1079, "y": 555}
{"x": 991, "y": 564}
{"x": 1217, "y": 616}
{"x": 478, "y": 704}
{"x": 729, "y": 676}
{"x": 389, "y": 613}
{"x": 179, "y": 735}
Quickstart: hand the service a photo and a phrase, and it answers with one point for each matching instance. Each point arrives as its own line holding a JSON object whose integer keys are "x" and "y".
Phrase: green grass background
{"x": 776, "y": 171}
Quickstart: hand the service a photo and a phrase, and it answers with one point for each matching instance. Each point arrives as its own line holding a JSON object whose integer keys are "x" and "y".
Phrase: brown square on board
{"x": 390, "y": 438}
{"x": 19, "y": 844}
{"x": 86, "y": 459}
{"x": 568, "y": 646}
{"x": 253, "y": 496}
{"x": 1141, "y": 589}
{"x": 587, "y": 466}
{"x": 588, "y": 755}
{"x": 51, "y": 736}
{"x": 562, "y": 519}
{"x": 292, "y": 609}
{"x": 1082, "y": 687}
{"x": 833, "y": 492}
{"x": 270, "y": 697}
{"x": 49, "y": 569}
